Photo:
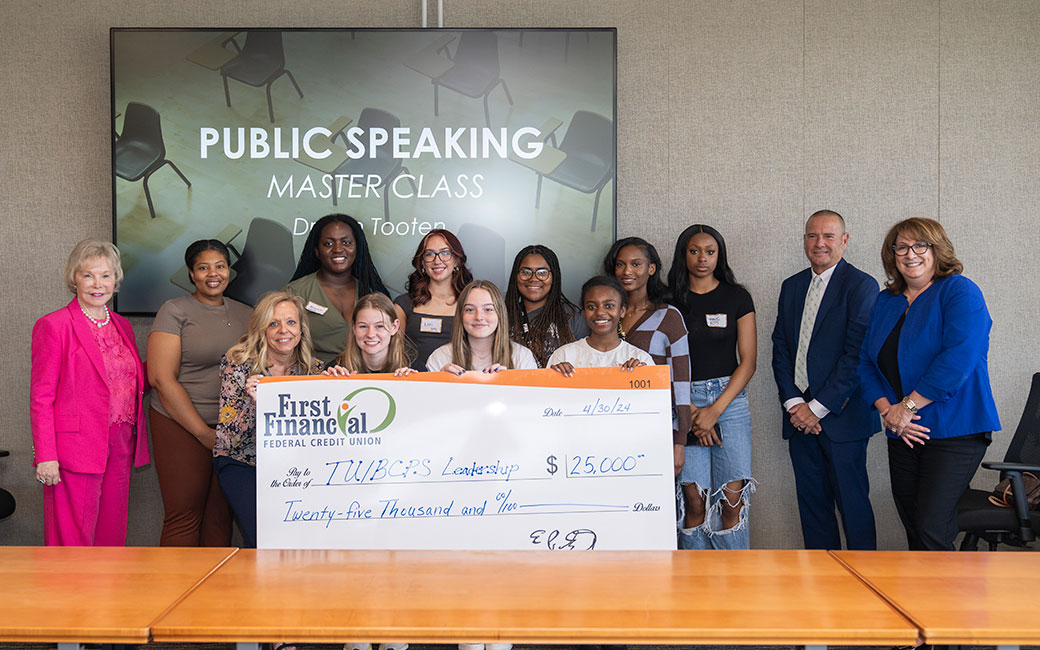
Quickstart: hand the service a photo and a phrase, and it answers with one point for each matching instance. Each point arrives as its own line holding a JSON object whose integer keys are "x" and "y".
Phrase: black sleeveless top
{"x": 438, "y": 331}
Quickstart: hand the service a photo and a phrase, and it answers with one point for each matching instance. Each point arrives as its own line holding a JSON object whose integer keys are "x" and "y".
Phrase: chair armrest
{"x": 231, "y": 39}
{"x": 337, "y": 127}
{"x": 547, "y": 131}
{"x": 1018, "y": 491}
{"x": 1012, "y": 467}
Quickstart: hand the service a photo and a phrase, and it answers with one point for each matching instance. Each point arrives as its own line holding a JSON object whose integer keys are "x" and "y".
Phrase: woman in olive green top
{"x": 335, "y": 270}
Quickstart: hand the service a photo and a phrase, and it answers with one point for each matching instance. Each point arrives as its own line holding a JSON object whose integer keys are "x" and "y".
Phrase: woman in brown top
{"x": 189, "y": 336}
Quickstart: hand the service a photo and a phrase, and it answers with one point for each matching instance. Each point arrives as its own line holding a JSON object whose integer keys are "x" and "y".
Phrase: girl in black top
{"x": 427, "y": 309}
{"x": 720, "y": 318}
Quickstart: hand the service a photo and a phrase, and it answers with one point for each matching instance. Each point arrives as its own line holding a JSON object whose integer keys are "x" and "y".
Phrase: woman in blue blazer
{"x": 923, "y": 366}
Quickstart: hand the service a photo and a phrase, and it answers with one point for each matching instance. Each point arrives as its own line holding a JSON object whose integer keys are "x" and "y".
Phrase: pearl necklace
{"x": 100, "y": 324}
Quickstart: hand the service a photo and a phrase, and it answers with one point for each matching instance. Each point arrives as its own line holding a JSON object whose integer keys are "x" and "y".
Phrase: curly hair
{"x": 418, "y": 286}
{"x": 551, "y": 327}
{"x": 919, "y": 229}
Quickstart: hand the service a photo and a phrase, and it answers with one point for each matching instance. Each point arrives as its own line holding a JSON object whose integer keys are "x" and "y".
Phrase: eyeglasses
{"x": 542, "y": 274}
{"x": 445, "y": 255}
{"x": 903, "y": 249}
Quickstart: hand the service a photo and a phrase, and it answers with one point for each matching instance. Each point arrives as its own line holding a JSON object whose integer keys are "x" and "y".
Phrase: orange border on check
{"x": 613, "y": 378}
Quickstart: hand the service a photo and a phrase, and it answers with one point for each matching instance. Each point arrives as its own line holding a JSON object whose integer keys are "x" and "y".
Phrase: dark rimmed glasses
{"x": 904, "y": 249}
{"x": 542, "y": 274}
{"x": 445, "y": 255}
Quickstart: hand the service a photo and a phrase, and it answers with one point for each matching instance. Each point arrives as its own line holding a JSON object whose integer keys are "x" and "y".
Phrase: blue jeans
{"x": 711, "y": 468}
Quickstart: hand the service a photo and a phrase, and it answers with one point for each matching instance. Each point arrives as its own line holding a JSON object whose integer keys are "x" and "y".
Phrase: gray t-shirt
{"x": 206, "y": 334}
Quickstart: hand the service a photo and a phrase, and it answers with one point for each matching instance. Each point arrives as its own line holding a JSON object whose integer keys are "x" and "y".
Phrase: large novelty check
{"x": 521, "y": 459}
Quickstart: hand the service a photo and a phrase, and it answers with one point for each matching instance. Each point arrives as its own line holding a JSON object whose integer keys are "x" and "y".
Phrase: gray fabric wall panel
{"x": 990, "y": 181}
{"x": 871, "y": 143}
{"x": 747, "y": 115}
{"x": 736, "y": 163}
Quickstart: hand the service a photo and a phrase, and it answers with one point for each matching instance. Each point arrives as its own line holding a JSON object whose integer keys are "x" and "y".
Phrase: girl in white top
{"x": 603, "y": 303}
{"x": 477, "y": 341}
{"x": 375, "y": 341}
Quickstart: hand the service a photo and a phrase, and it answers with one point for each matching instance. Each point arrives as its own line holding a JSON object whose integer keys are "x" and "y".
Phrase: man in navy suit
{"x": 820, "y": 323}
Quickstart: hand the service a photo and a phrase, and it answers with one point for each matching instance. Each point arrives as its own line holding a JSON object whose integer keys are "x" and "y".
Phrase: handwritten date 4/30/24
{"x": 581, "y": 539}
{"x": 598, "y": 407}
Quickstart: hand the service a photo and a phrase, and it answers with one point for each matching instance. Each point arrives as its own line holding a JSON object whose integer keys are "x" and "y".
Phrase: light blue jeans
{"x": 712, "y": 467}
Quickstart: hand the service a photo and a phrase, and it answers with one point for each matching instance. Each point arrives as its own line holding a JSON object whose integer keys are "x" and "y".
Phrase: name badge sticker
{"x": 716, "y": 320}
{"x": 316, "y": 308}
{"x": 431, "y": 325}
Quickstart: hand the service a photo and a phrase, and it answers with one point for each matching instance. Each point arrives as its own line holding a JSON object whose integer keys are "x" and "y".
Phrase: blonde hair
{"x": 397, "y": 355}
{"x": 89, "y": 249}
{"x": 501, "y": 347}
{"x": 252, "y": 347}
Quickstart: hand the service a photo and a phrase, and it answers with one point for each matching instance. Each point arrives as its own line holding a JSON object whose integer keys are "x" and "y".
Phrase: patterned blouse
{"x": 120, "y": 374}
{"x": 662, "y": 333}
{"x": 236, "y": 430}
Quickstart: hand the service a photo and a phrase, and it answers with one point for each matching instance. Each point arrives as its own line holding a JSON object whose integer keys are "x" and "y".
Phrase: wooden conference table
{"x": 958, "y": 598}
{"x": 689, "y": 597}
{"x": 97, "y": 595}
{"x": 812, "y": 598}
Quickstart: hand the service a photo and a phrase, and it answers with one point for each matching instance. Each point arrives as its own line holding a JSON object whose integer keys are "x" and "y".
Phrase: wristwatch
{"x": 910, "y": 404}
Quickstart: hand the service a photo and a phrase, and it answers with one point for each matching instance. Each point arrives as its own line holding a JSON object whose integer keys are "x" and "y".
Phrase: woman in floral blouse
{"x": 278, "y": 343}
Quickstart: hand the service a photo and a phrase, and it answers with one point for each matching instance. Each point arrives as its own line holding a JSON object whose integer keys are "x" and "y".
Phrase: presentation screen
{"x": 505, "y": 137}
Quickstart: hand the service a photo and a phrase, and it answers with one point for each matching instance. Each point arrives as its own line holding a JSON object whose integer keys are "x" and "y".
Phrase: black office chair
{"x": 476, "y": 71}
{"x": 140, "y": 150}
{"x": 589, "y": 165}
{"x": 267, "y": 262}
{"x": 261, "y": 63}
{"x": 1017, "y": 526}
{"x": 384, "y": 165}
{"x": 6, "y": 498}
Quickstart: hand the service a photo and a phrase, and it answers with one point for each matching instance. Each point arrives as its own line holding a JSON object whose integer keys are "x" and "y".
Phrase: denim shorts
{"x": 712, "y": 467}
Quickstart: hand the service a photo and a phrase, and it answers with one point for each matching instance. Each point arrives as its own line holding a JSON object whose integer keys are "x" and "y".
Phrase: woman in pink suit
{"x": 86, "y": 392}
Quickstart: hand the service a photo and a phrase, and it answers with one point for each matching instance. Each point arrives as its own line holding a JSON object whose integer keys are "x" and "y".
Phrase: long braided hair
{"x": 549, "y": 329}
{"x": 364, "y": 271}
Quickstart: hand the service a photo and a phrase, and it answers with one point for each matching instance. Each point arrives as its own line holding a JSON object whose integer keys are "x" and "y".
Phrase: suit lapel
{"x": 801, "y": 287}
{"x": 831, "y": 294}
{"x": 81, "y": 328}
